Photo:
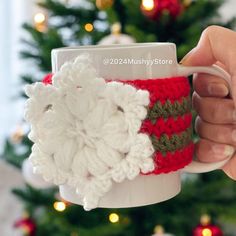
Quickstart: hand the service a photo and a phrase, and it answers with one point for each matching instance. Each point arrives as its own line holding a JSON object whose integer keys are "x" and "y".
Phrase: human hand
{"x": 216, "y": 120}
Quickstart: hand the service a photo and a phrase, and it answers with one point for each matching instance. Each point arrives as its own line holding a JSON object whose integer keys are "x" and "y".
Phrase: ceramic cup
{"x": 146, "y": 60}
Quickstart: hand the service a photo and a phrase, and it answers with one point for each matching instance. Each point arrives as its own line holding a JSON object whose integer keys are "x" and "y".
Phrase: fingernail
{"x": 217, "y": 89}
{"x": 224, "y": 150}
{"x": 184, "y": 59}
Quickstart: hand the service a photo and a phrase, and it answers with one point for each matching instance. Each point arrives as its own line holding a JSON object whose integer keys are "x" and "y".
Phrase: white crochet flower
{"x": 86, "y": 131}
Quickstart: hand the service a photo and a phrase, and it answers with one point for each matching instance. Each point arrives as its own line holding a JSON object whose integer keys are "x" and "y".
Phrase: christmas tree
{"x": 69, "y": 23}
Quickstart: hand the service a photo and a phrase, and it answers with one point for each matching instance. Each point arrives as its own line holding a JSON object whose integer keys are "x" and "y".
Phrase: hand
{"x": 216, "y": 121}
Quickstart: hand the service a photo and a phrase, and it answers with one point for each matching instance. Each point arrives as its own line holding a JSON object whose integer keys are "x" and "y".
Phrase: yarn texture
{"x": 86, "y": 130}
{"x": 168, "y": 122}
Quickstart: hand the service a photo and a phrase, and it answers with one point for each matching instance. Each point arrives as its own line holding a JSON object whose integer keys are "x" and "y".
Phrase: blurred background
{"x": 29, "y": 31}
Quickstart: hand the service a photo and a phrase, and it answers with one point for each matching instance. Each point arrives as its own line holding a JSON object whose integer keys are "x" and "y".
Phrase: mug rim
{"x": 116, "y": 46}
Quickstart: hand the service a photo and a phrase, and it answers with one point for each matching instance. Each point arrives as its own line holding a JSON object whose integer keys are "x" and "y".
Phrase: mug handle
{"x": 196, "y": 166}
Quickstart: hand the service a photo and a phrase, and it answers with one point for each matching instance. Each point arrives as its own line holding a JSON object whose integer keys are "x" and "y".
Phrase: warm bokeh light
{"x": 59, "y": 206}
{"x": 114, "y": 218}
{"x": 206, "y": 232}
{"x": 39, "y": 18}
{"x": 205, "y": 219}
{"x": 88, "y": 27}
{"x": 148, "y": 5}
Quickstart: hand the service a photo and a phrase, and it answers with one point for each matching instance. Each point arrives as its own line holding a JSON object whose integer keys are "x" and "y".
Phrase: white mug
{"x": 137, "y": 61}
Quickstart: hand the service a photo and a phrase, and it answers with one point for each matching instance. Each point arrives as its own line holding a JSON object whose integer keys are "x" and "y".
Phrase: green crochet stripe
{"x": 165, "y": 144}
{"x": 169, "y": 109}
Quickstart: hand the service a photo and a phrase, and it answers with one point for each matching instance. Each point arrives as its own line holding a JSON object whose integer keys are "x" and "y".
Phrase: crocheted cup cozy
{"x": 90, "y": 133}
{"x": 168, "y": 122}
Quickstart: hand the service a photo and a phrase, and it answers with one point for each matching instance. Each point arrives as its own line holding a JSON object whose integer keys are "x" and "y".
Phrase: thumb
{"x": 216, "y": 44}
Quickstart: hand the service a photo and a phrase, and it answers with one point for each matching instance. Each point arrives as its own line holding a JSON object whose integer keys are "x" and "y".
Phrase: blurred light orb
{"x": 59, "y": 206}
{"x": 88, "y": 27}
{"x": 206, "y": 232}
{"x": 39, "y": 18}
{"x": 148, "y": 5}
{"x": 114, "y": 218}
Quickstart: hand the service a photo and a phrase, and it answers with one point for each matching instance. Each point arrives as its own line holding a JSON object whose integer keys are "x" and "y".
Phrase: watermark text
{"x": 135, "y": 61}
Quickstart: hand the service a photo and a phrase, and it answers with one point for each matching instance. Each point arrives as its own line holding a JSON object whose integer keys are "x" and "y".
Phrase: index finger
{"x": 216, "y": 44}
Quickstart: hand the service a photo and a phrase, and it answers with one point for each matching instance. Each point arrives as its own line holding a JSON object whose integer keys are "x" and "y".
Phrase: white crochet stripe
{"x": 86, "y": 131}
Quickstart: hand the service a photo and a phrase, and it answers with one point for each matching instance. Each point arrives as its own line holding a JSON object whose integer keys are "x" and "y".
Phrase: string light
{"x": 17, "y": 136}
{"x": 39, "y": 18}
{"x": 159, "y": 230}
{"x": 206, "y": 232}
{"x": 88, "y": 27}
{"x": 148, "y": 5}
{"x": 114, "y": 218}
{"x": 187, "y": 2}
{"x": 104, "y": 4}
{"x": 40, "y": 21}
{"x": 59, "y": 206}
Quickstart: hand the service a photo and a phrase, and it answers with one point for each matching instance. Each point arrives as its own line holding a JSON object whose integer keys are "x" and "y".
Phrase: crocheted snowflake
{"x": 86, "y": 131}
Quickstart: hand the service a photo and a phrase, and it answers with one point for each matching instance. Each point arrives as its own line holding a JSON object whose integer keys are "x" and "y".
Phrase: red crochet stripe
{"x": 172, "y": 161}
{"x": 173, "y": 88}
{"x": 167, "y": 126}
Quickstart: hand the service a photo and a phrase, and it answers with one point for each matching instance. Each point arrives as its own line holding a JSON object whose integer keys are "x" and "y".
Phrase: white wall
{"x": 12, "y": 14}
